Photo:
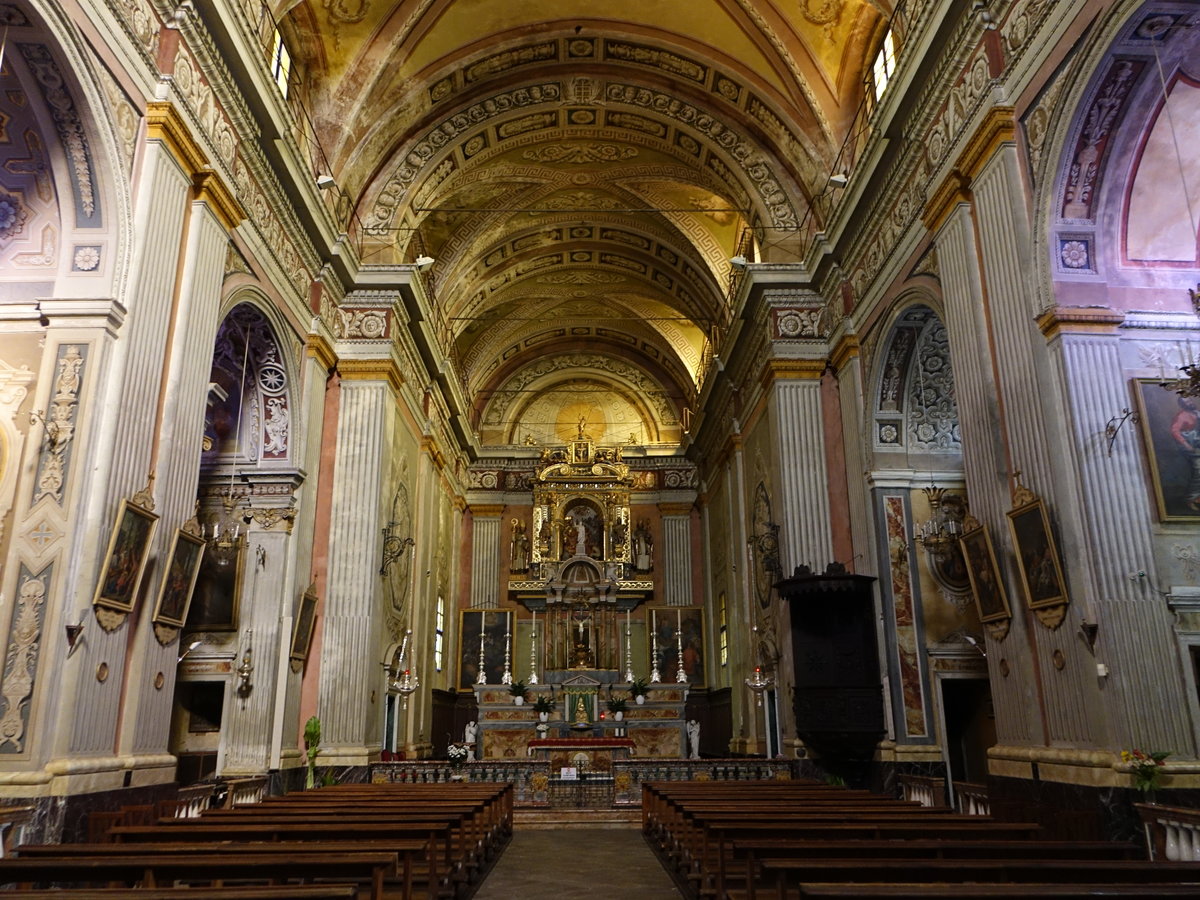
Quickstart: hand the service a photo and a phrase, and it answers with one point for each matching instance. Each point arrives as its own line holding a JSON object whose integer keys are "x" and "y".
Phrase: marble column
{"x": 676, "y": 581}
{"x": 351, "y": 630}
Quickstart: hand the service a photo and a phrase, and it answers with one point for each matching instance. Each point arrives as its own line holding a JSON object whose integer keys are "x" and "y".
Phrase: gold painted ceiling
{"x": 582, "y": 173}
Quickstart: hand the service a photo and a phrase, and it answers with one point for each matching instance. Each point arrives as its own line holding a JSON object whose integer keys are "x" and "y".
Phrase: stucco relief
{"x": 904, "y": 612}
{"x": 21, "y": 659}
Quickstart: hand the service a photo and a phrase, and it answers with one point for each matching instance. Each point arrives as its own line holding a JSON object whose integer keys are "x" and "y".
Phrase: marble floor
{"x": 577, "y": 864}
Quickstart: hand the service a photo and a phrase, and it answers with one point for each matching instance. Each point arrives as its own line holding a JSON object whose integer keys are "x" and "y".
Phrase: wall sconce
{"x": 57, "y": 433}
{"x": 73, "y": 634}
{"x": 765, "y": 545}
{"x": 393, "y": 546}
{"x": 246, "y": 669}
{"x": 1089, "y": 630}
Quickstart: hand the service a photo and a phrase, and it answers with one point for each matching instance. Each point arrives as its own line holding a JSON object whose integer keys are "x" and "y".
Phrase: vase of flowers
{"x": 543, "y": 706}
{"x": 458, "y": 754}
{"x": 638, "y": 689}
{"x": 519, "y": 692}
{"x": 616, "y": 706}
{"x": 1146, "y": 769}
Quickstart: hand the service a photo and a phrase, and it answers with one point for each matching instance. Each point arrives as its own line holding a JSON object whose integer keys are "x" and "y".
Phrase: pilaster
{"x": 485, "y": 556}
{"x": 677, "y": 554}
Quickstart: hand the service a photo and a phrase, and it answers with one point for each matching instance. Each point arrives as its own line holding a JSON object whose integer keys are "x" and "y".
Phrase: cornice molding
{"x": 210, "y": 189}
{"x": 1059, "y": 320}
{"x": 371, "y": 370}
{"x": 847, "y": 348}
{"x": 321, "y": 350}
{"x": 998, "y": 129}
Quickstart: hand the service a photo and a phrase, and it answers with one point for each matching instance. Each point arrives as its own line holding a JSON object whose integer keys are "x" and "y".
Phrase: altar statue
{"x": 519, "y": 554}
{"x": 693, "y": 733}
{"x": 581, "y": 719}
{"x": 470, "y": 733}
{"x": 643, "y": 547}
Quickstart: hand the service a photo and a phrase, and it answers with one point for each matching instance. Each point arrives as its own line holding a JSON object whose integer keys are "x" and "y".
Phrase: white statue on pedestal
{"x": 693, "y": 731}
{"x": 470, "y": 732}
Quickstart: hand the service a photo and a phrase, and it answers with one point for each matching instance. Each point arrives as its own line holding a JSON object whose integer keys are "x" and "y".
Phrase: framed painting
{"x": 183, "y": 566}
{"x": 214, "y": 604}
{"x": 1170, "y": 427}
{"x": 490, "y": 626}
{"x": 302, "y": 629}
{"x": 984, "y": 575}
{"x": 1037, "y": 556}
{"x": 688, "y": 622}
{"x": 125, "y": 562}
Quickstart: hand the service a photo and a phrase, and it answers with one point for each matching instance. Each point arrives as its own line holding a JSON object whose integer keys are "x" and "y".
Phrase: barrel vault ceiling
{"x": 581, "y": 172}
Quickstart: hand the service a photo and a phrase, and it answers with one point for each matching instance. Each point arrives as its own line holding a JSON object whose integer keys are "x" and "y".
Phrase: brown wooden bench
{"x": 255, "y": 892}
{"x": 920, "y": 891}
{"x": 154, "y": 869}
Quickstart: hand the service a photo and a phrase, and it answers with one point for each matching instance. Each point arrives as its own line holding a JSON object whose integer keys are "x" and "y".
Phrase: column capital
{"x": 847, "y": 348}
{"x": 486, "y": 510}
{"x": 1093, "y": 320}
{"x": 210, "y": 189}
{"x": 165, "y": 125}
{"x": 321, "y": 350}
{"x": 676, "y": 509}
{"x": 793, "y": 370}
{"x": 998, "y": 129}
{"x": 371, "y": 370}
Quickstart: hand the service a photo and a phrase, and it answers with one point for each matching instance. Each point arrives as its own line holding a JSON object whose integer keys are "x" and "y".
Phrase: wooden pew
{"x": 254, "y": 892}
{"x": 408, "y": 851}
{"x": 920, "y": 891}
{"x": 151, "y": 870}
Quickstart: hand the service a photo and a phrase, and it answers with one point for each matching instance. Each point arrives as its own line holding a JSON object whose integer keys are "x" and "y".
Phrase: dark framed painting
{"x": 183, "y": 566}
{"x": 688, "y": 622}
{"x": 490, "y": 625}
{"x": 1037, "y": 555}
{"x": 215, "y": 599}
{"x": 302, "y": 629}
{"x": 984, "y": 575}
{"x": 1171, "y": 433}
{"x": 125, "y": 562}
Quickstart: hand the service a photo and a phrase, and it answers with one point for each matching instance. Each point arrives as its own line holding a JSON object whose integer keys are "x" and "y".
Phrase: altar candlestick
{"x": 533, "y": 679}
{"x": 628, "y": 650}
{"x": 655, "y": 677}
{"x": 506, "y": 678}
{"x": 680, "y": 674}
{"x": 482, "y": 677}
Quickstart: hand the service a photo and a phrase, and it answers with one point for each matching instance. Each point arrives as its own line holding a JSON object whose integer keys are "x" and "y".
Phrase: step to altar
{"x": 549, "y": 819}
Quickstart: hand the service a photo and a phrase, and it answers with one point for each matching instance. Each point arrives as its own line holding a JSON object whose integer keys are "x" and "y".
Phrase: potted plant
{"x": 543, "y": 705}
{"x": 457, "y": 754}
{"x": 638, "y": 689}
{"x": 518, "y": 691}
{"x": 616, "y": 706}
{"x": 312, "y": 746}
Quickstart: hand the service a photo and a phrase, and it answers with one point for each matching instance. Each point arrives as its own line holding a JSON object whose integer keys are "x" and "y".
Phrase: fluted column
{"x": 485, "y": 557}
{"x": 677, "y": 554}
{"x": 89, "y": 709}
{"x": 803, "y": 511}
{"x": 985, "y": 461}
{"x": 351, "y": 631}
{"x": 1145, "y": 697}
{"x": 147, "y": 719}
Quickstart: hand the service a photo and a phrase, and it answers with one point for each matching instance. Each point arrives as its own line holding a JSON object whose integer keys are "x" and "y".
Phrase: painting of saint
{"x": 128, "y": 551}
{"x": 1171, "y": 435}
{"x": 493, "y": 624}
{"x": 1037, "y": 555}
{"x": 985, "y": 581}
{"x": 182, "y": 569}
{"x": 688, "y": 623}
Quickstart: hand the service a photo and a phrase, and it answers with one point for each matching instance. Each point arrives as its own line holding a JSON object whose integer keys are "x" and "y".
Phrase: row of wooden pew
{"x": 428, "y": 841}
{"x": 734, "y": 840}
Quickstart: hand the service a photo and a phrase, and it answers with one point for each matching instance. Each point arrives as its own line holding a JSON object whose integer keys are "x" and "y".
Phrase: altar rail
{"x": 531, "y": 779}
{"x": 1172, "y": 833}
{"x": 972, "y": 799}
{"x": 924, "y": 789}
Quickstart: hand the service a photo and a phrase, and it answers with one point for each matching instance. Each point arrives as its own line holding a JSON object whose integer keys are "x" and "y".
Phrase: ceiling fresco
{"x": 581, "y": 174}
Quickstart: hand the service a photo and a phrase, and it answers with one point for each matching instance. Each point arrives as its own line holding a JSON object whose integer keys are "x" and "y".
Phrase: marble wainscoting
{"x": 64, "y": 819}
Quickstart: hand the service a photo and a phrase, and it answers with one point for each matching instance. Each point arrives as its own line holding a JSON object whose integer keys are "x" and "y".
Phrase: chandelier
{"x": 402, "y": 679}
{"x": 759, "y": 683}
{"x": 939, "y": 534}
{"x": 1189, "y": 384}
{"x": 224, "y": 536}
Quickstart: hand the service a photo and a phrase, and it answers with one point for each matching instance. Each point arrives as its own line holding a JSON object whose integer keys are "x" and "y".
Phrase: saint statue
{"x": 519, "y": 554}
{"x": 470, "y": 732}
{"x": 693, "y": 733}
{"x": 643, "y": 547}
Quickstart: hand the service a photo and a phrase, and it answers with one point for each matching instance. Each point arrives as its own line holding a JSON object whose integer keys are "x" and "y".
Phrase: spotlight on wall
{"x": 839, "y": 179}
{"x": 739, "y": 262}
{"x": 325, "y": 182}
{"x": 424, "y": 262}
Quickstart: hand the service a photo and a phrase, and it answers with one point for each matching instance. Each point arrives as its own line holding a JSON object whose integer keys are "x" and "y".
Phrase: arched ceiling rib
{"x": 581, "y": 177}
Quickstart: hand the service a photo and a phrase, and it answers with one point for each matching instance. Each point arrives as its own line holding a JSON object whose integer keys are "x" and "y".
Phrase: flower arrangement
{"x": 312, "y": 746}
{"x": 458, "y": 754}
{"x": 1146, "y": 768}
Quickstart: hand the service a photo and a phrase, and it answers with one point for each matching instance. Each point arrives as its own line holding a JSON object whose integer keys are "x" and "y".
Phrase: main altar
{"x": 580, "y": 567}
